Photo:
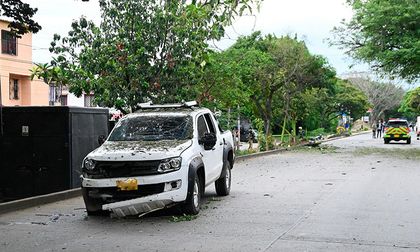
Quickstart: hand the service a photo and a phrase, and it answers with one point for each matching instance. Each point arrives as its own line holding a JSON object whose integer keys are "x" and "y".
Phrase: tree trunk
{"x": 293, "y": 124}
{"x": 282, "y": 130}
{"x": 267, "y": 132}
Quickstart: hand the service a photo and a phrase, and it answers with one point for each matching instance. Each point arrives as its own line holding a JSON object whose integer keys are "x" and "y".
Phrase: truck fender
{"x": 227, "y": 157}
{"x": 195, "y": 165}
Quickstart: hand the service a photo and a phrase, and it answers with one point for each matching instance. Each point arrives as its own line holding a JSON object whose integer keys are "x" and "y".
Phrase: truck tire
{"x": 409, "y": 141}
{"x": 192, "y": 204}
{"x": 93, "y": 206}
{"x": 386, "y": 141}
{"x": 223, "y": 184}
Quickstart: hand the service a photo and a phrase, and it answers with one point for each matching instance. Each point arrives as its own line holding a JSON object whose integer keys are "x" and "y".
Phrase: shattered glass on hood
{"x": 153, "y": 127}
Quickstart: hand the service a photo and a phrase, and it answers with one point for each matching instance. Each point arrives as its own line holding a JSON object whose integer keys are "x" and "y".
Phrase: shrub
{"x": 262, "y": 142}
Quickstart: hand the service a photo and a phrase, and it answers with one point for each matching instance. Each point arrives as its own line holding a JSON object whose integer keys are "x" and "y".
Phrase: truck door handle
{"x": 221, "y": 143}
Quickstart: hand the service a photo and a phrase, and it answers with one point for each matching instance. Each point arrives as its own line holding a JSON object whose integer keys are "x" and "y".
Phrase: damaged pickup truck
{"x": 157, "y": 157}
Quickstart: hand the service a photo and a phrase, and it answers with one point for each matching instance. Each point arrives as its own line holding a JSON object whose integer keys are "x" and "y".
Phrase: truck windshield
{"x": 397, "y": 124}
{"x": 153, "y": 128}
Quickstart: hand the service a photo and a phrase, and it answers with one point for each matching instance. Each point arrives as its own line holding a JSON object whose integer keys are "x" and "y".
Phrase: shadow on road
{"x": 172, "y": 213}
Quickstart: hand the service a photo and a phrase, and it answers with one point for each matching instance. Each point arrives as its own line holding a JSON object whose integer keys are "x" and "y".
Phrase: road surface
{"x": 353, "y": 194}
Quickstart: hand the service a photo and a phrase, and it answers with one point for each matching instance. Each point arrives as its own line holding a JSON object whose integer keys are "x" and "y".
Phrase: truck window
{"x": 153, "y": 128}
{"x": 210, "y": 123}
{"x": 397, "y": 124}
{"x": 201, "y": 126}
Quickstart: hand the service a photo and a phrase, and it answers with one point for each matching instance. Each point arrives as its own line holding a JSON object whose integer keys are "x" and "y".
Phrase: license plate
{"x": 127, "y": 184}
{"x": 396, "y": 135}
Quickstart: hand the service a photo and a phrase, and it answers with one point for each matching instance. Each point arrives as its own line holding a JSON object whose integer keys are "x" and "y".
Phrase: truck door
{"x": 213, "y": 158}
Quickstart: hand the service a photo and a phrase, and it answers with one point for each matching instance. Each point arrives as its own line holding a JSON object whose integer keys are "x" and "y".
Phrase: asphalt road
{"x": 359, "y": 196}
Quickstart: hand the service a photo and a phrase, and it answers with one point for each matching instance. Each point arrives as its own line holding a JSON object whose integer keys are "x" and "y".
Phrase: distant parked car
{"x": 244, "y": 135}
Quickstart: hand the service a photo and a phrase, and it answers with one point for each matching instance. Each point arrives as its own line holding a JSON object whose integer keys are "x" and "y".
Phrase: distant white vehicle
{"x": 418, "y": 128}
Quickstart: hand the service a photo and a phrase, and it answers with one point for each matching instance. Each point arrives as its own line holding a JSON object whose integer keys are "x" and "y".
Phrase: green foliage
{"x": 384, "y": 33}
{"x": 22, "y": 14}
{"x": 245, "y": 152}
{"x": 183, "y": 217}
{"x": 49, "y": 74}
{"x": 269, "y": 73}
{"x": 317, "y": 132}
{"x": 143, "y": 50}
{"x": 263, "y": 140}
{"x": 411, "y": 102}
{"x": 350, "y": 100}
{"x": 321, "y": 107}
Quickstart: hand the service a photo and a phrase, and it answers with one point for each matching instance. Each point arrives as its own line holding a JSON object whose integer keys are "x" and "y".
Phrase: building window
{"x": 8, "y": 43}
{"x": 14, "y": 89}
{"x": 55, "y": 94}
{"x": 89, "y": 100}
{"x": 63, "y": 100}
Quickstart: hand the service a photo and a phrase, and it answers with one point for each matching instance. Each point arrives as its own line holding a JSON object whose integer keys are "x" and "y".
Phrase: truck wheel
{"x": 223, "y": 184}
{"x": 93, "y": 206}
{"x": 192, "y": 204}
{"x": 409, "y": 141}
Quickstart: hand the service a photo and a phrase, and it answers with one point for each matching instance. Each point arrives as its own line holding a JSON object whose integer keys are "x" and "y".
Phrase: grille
{"x": 114, "y": 169}
{"x": 116, "y": 195}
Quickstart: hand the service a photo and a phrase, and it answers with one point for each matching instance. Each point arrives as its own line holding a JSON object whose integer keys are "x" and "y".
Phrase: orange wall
{"x": 18, "y": 66}
{"x": 39, "y": 93}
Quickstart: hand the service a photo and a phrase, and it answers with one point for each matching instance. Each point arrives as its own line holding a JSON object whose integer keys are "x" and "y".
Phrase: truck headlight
{"x": 89, "y": 164}
{"x": 170, "y": 164}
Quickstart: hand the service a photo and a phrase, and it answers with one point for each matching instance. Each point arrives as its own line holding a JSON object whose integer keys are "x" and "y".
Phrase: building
{"x": 17, "y": 89}
{"x": 69, "y": 99}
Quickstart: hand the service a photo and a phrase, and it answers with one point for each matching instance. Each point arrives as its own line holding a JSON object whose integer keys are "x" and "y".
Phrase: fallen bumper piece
{"x": 139, "y": 206}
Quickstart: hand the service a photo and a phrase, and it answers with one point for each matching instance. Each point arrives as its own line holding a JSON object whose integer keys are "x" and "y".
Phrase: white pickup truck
{"x": 157, "y": 157}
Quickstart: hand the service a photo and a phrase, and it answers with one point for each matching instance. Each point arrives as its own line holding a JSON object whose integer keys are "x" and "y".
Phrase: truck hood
{"x": 139, "y": 150}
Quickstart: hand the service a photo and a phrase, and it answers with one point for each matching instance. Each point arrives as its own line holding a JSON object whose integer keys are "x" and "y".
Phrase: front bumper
{"x": 154, "y": 193}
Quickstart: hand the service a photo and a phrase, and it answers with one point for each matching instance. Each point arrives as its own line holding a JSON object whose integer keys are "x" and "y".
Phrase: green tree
{"x": 270, "y": 70}
{"x": 321, "y": 107}
{"x": 21, "y": 14}
{"x": 221, "y": 87}
{"x": 143, "y": 50}
{"x": 350, "y": 100}
{"x": 411, "y": 102}
{"x": 49, "y": 74}
{"x": 384, "y": 33}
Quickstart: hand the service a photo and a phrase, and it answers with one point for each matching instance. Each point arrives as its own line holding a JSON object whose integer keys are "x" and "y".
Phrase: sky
{"x": 311, "y": 20}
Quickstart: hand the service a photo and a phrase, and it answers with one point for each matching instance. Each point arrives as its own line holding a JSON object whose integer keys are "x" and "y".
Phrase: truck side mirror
{"x": 101, "y": 139}
{"x": 208, "y": 140}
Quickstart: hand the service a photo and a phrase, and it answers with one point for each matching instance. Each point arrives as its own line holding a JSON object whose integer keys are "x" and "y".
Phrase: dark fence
{"x": 42, "y": 148}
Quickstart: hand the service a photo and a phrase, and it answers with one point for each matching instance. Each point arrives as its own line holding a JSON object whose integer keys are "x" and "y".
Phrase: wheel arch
{"x": 228, "y": 154}
{"x": 196, "y": 167}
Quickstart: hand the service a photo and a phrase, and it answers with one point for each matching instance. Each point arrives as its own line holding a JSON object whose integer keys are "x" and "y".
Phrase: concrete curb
{"x": 265, "y": 153}
{"x": 72, "y": 193}
{"x": 259, "y": 154}
{"x": 38, "y": 200}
